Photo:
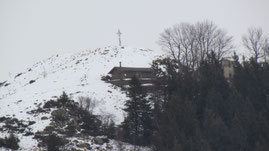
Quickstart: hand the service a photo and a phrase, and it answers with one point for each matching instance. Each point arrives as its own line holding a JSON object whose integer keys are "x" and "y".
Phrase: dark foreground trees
{"x": 195, "y": 107}
{"x": 201, "y": 111}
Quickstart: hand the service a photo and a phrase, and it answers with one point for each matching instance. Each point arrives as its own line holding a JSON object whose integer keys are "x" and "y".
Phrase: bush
{"x": 2, "y": 142}
{"x": 59, "y": 115}
{"x": 54, "y": 142}
{"x": 49, "y": 129}
{"x": 50, "y": 104}
{"x": 106, "y": 78}
{"x": 64, "y": 99}
{"x": 108, "y": 126}
{"x": 90, "y": 124}
{"x": 109, "y": 129}
{"x": 71, "y": 128}
{"x": 10, "y": 142}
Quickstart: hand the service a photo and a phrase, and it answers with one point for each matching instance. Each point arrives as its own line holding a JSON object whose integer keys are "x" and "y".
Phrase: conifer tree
{"x": 137, "y": 125}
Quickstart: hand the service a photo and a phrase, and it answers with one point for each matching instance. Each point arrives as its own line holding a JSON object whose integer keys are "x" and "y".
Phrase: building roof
{"x": 130, "y": 69}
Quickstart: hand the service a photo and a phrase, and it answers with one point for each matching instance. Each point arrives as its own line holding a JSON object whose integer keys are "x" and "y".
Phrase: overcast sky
{"x": 32, "y": 30}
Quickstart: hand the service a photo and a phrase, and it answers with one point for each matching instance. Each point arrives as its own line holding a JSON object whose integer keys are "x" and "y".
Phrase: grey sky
{"x": 32, "y": 30}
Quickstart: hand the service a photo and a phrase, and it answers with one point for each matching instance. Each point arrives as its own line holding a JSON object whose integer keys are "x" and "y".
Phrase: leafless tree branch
{"x": 190, "y": 44}
{"x": 256, "y": 43}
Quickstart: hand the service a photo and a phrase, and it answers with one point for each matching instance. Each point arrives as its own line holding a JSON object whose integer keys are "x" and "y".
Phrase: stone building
{"x": 228, "y": 69}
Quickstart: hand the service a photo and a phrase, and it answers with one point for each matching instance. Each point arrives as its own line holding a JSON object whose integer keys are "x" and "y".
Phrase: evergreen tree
{"x": 63, "y": 99}
{"x": 137, "y": 125}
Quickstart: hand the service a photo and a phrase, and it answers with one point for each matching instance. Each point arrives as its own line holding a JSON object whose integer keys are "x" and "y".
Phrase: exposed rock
{"x": 100, "y": 141}
{"x": 84, "y": 145}
{"x": 44, "y": 118}
{"x": 31, "y": 81}
{"x": 31, "y": 123}
{"x": 18, "y": 75}
{"x": 28, "y": 133}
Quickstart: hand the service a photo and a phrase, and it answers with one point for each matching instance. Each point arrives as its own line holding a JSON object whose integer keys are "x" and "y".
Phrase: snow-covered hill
{"x": 77, "y": 74}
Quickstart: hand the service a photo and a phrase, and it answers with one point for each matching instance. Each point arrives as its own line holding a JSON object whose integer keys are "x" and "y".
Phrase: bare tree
{"x": 87, "y": 103}
{"x": 211, "y": 39}
{"x": 190, "y": 44}
{"x": 256, "y": 43}
{"x": 179, "y": 42}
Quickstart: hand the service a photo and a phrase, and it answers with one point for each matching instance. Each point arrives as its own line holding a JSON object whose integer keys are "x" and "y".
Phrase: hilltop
{"x": 77, "y": 74}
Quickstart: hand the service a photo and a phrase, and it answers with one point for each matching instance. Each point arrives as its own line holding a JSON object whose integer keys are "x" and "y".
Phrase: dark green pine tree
{"x": 137, "y": 125}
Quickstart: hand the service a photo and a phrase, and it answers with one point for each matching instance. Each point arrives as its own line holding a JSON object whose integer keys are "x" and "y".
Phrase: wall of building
{"x": 122, "y": 78}
{"x": 129, "y": 74}
{"x": 228, "y": 69}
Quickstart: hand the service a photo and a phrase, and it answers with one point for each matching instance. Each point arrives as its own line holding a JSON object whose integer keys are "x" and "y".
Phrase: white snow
{"x": 77, "y": 74}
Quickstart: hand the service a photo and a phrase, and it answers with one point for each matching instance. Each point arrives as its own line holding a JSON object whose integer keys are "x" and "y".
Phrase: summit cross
{"x": 119, "y": 34}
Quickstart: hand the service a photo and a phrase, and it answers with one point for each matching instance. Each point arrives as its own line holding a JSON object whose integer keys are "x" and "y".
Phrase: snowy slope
{"x": 77, "y": 74}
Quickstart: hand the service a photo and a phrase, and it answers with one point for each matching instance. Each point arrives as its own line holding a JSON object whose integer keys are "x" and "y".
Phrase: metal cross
{"x": 119, "y": 34}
